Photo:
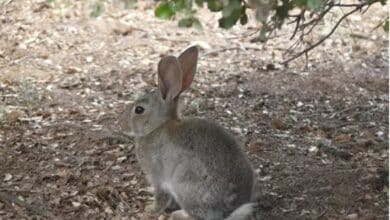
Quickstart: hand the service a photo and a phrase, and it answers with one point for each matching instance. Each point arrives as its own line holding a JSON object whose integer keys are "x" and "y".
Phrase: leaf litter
{"x": 318, "y": 139}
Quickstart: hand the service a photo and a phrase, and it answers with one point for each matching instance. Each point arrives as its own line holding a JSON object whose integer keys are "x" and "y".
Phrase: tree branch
{"x": 298, "y": 21}
{"x": 326, "y": 36}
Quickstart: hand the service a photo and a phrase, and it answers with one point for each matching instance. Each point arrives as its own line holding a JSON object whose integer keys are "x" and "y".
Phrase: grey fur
{"x": 193, "y": 162}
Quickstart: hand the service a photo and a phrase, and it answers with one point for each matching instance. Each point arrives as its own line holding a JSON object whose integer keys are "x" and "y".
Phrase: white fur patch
{"x": 167, "y": 186}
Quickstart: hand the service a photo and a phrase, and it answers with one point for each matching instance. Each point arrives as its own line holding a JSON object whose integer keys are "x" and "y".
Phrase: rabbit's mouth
{"x": 136, "y": 130}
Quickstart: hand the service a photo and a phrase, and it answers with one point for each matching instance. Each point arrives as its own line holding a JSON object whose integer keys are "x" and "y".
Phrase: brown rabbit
{"x": 193, "y": 163}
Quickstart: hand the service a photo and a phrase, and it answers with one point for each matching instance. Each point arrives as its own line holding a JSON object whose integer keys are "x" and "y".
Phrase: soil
{"x": 316, "y": 134}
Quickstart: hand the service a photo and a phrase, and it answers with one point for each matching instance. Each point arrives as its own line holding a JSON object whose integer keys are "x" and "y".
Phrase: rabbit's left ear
{"x": 169, "y": 77}
{"x": 188, "y": 61}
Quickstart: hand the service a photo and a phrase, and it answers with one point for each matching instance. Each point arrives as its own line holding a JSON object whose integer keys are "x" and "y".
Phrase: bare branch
{"x": 298, "y": 21}
{"x": 380, "y": 24}
{"x": 347, "y": 5}
{"x": 316, "y": 21}
{"x": 326, "y": 36}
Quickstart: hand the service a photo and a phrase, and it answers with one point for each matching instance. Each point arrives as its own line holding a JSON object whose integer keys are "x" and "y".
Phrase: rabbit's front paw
{"x": 161, "y": 201}
{"x": 180, "y": 215}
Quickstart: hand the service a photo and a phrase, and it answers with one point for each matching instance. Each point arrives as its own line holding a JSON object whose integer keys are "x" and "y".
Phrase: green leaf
{"x": 180, "y": 5}
{"x": 185, "y": 22}
{"x": 199, "y": 3}
{"x": 230, "y": 14}
{"x": 300, "y": 3}
{"x": 226, "y": 22}
{"x": 263, "y": 33}
{"x": 314, "y": 5}
{"x": 244, "y": 19}
{"x": 164, "y": 11}
{"x": 281, "y": 12}
{"x": 234, "y": 8}
{"x": 214, "y": 5}
{"x": 383, "y": 2}
{"x": 97, "y": 10}
{"x": 386, "y": 26}
{"x": 196, "y": 23}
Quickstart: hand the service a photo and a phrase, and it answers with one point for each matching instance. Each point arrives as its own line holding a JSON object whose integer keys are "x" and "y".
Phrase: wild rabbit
{"x": 193, "y": 163}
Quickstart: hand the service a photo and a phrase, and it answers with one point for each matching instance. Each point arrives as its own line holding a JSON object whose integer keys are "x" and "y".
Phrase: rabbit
{"x": 192, "y": 163}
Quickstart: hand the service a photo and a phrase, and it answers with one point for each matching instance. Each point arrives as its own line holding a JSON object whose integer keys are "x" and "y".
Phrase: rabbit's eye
{"x": 139, "y": 110}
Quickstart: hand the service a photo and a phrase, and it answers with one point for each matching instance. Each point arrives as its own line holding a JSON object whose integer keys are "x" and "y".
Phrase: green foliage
{"x": 386, "y": 26}
{"x": 165, "y": 10}
{"x": 272, "y": 14}
{"x": 214, "y": 5}
{"x": 263, "y": 33}
{"x": 300, "y": 3}
{"x": 383, "y": 2}
{"x": 244, "y": 19}
{"x": 230, "y": 14}
{"x": 97, "y": 9}
{"x": 314, "y": 5}
{"x": 169, "y": 9}
{"x": 199, "y": 3}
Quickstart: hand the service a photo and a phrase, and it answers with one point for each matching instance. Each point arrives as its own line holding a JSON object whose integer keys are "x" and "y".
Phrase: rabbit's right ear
{"x": 188, "y": 61}
{"x": 170, "y": 77}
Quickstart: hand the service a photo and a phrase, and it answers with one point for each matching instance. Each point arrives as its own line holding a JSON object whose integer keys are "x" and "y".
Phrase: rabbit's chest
{"x": 146, "y": 158}
{"x": 149, "y": 159}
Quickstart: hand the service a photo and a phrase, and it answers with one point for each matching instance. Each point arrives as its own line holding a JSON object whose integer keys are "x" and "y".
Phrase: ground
{"x": 317, "y": 137}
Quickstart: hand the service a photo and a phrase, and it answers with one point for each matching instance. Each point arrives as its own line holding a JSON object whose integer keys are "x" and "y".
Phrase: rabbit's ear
{"x": 188, "y": 60}
{"x": 170, "y": 77}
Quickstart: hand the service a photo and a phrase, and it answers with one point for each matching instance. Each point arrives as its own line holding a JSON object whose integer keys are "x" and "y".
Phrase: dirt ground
{"x": 317, "y": 138}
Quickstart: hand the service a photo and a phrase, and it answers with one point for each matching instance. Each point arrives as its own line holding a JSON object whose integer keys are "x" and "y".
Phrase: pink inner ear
{"x": 162, "y": 88}
{"x": 169, "y": 77}
{"x": 188, "y": 61}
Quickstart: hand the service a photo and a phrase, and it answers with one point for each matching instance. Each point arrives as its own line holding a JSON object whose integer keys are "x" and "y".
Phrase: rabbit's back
{"x": 203, "y": 164}
{"x": 207, "y": 141}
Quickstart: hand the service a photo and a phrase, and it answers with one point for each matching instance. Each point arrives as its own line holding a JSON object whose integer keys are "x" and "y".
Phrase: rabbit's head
{"x": 153, "y": 109}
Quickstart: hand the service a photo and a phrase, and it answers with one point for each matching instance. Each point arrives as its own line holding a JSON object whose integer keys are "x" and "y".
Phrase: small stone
{"x": 89, "y": 59}
{"x": 7, "y": 177}
{"x": 72, "y": 70}
{"x": 352, "y": 216}
{"x": 291, "y": 146}
{"x": 108, "y": 210}
{"x": 76, "y": 204}
{"x": 380, "y": 133}
{"x": 265, "y": 178}
{"x": 313, "y": 149}
{"x": 236, "y": 130}
{"x": 121, "y": 159}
